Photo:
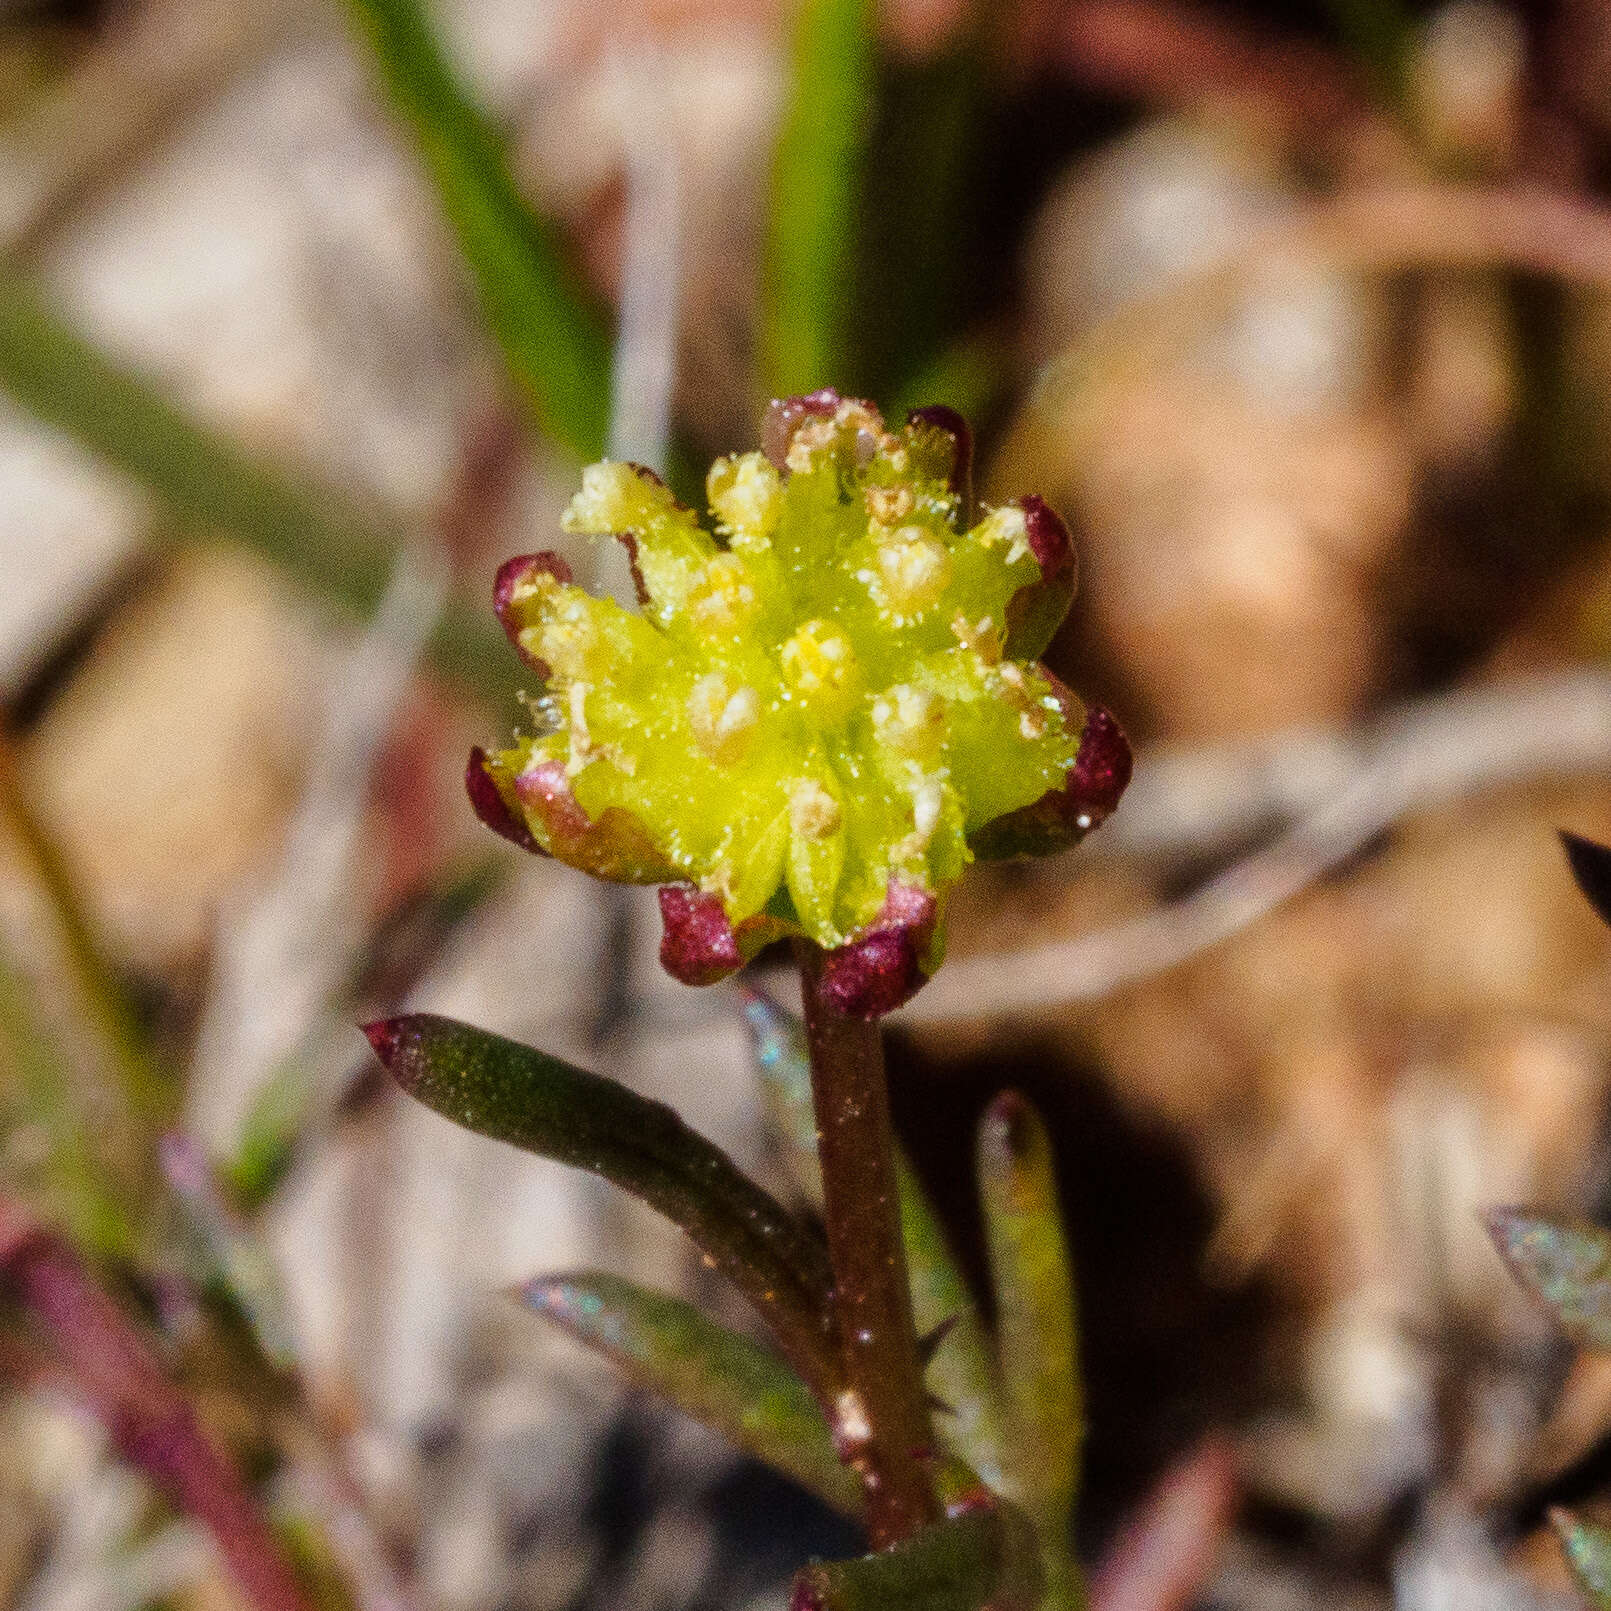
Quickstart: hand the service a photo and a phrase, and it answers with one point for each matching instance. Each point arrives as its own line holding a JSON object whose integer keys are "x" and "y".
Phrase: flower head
{"x": 820, "y": 713}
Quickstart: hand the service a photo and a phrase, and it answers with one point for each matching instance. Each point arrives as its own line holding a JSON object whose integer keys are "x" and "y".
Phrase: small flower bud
{"x": 910, "y": 720}
{"x": 813, "y": 813}
{"x": 723, "y": 603}
{"x": 724, "y": 717}
{"x": 819, "y": 664}
{"x": 746, "y": 496}
{"x": 913, "y": 570}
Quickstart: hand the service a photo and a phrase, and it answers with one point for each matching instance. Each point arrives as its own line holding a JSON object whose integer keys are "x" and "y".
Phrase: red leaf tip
{"x": 1047, "y": 536}
{"x": 1009, "y": 1121}
{"x": 385, "y": 1035}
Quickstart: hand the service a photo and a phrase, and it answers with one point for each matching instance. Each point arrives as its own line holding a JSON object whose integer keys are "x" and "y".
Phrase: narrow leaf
{"x": 1587, "y": 1546}
{"x": 1567, "y": 1265}
{"x": 816, "y": 192}
{"x": 1591, "y": 868}
{"x": 516, "y": 1094}
{"x": 742, "y": 1391}
{"x": 1035, "y": 1323}
{"x": 960, "y": 1374}
{"x": 553, "y": 340}
{"x": 913, "y": 258}
{"x": 983, "y": 1558}
{"x": 211, "y": 485}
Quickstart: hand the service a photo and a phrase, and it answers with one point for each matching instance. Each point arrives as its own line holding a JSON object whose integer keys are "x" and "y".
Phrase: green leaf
{"x": 816, "y": 194}
{"x": 536, "y": 1102}
{"x": 1587, "y": 1546}
{"x": 1567, "y": 1265}
{"x": 913, "y": 257}
{"x": 210, "y": 484}
{"x": 738, "y": 1389}
{"x": 1035, "y": 1323}
{"x": 983, "y": 1558}
{"x": 960, "y": 1374}
{"x": 553, "y": 340}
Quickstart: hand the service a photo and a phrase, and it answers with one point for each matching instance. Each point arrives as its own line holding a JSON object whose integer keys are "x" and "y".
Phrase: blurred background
{"x": 1299, "y": 312}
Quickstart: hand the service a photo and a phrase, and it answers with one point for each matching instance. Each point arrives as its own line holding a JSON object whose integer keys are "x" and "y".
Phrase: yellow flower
{"x": 821, "y": 711}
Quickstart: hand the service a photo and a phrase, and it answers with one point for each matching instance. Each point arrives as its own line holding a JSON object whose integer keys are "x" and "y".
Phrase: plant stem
{"x": 880, "y": 1419}
{"x": 115, "y": 1368}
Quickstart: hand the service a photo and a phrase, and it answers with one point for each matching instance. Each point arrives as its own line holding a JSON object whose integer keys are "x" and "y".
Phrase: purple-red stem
{"x": 113, "y": 1366}
{"x": 881, "y": 1419}
{"x": 1166, "y": 1553}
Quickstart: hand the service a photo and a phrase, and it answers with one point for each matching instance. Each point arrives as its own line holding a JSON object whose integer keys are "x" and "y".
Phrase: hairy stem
{"x": 880, "y": 1420}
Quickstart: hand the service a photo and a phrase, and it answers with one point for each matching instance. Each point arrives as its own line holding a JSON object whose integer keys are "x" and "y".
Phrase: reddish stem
{"x": 113, "y": 1366}
{"x": 881, "y": 1418}
{"x": 1167, "y": 1551}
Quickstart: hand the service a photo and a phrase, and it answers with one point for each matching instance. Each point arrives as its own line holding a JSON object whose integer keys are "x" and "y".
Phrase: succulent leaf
{"x": 522, "y": 1096}
{"x": 1035, "y": 1324}
{"x": 979, "y": 1558}
{"x": 824, "y": 709}
{"x": 729, "y": 1383}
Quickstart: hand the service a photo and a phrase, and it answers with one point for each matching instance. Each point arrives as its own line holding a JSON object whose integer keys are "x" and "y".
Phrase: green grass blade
{"x": 733, "y": 1386}
{"x": 816, "y": 198}
{"x": 1035, "y": 1328}
{"x": 211, "y": 485}
{"x": 554, "y": 342}
{"x": 516, "y": 1094}
{"x": 62, "y": 1173}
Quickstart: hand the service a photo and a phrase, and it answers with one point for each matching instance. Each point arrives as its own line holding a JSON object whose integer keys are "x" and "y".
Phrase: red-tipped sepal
{"x": 513, "y": 578}
{"x": 488, "y": 802}
{"x": 1034, "y": 613}
{"x": 700, "y": 944}
{"x": 890, "y": 963}
{"x": 1062, "y": 817}
{"x": 614, "y": 845}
